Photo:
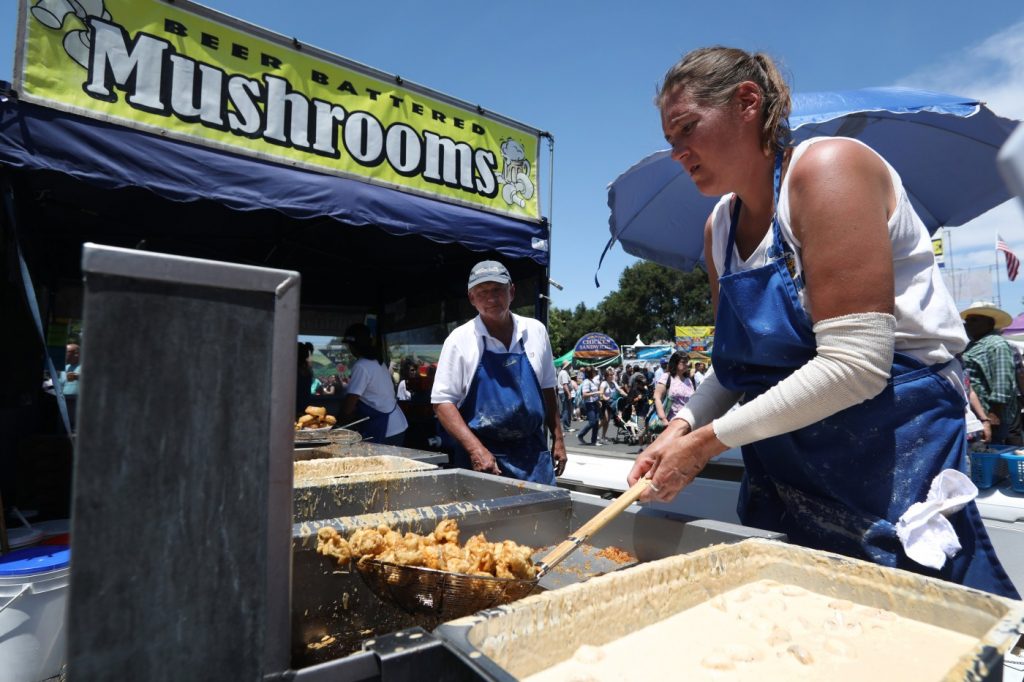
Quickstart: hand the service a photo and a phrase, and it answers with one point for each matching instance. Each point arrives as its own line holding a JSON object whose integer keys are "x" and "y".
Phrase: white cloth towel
{"x": 927, "y": 535}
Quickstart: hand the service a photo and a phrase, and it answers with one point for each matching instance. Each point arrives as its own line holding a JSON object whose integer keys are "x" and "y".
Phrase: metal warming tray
{"x": 540, "y": 631}
{"x": 323, "y": 471}
{"x": 367, "y": 449}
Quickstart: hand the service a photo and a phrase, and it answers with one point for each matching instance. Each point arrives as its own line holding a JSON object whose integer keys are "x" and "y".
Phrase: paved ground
{"x": 610, "y": 448}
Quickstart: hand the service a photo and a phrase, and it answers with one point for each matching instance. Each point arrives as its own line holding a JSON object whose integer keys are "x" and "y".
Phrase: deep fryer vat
{"x": 538, "y": 632}
{"x": 390, "y": 492}
{"x": 328, "y": 601}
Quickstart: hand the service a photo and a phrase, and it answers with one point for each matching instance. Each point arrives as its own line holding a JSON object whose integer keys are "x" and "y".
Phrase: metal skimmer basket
{"x": 444, "y": 595}
{"x": 440, "y": 594}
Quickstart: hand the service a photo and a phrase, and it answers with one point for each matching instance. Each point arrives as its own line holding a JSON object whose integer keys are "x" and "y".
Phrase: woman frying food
{"x": 834, "y": 331}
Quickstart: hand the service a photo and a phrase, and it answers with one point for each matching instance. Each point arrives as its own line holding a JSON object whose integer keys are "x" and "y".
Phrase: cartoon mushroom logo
{"x": 53, "y": 13}
{"x": 515, "y": 175}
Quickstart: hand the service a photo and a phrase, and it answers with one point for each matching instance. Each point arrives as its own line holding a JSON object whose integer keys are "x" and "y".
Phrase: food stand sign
{"x": 189, "y": 72}
{"x": 690, "y": 338}
{"x": 595, "y": 346}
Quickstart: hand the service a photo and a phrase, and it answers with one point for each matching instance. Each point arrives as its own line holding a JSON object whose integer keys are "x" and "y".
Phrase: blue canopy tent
{"x": 78, "y": 179}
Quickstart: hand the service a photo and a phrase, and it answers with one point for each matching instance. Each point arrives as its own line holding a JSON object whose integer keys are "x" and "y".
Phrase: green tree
{"x": 652, "y": 299}
{"x": 565, "y": 327}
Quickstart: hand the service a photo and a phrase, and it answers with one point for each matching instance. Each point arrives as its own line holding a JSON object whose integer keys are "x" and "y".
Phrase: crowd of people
{"x": 640, "y": 397}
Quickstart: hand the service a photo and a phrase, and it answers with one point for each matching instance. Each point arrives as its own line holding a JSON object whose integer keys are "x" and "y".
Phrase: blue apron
{"x": 505, "y": 410}
{"x": 841, "y": 484}
{"x": 375, "y": 428}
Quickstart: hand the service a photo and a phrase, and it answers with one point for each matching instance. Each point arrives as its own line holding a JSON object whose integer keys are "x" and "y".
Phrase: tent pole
{"x": 29, "y": 291}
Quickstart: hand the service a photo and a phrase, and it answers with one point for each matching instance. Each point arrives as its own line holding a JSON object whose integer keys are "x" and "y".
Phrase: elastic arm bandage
{"x": 853, "y": 363}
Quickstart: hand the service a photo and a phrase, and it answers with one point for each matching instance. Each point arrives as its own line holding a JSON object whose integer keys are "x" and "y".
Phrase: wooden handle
{"x": 600, "y": 520}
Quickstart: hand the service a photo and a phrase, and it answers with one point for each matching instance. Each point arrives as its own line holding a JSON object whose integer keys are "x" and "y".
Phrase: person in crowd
{"x": 674, "y": 388}
{"x": 494, "y": 390}
{"x": 72, "y": 370}
{"x": 304, "y": 378}
{"x": 832, "y": 323}
{"x": 590, "y": 394}
{"x": 329, "y": 386}
{"x": 575, "y": 384}
{"x": 636, "y": 376}
{"x": 565, "y": 399}
{"x": 640, "y": 398}
{"x": 408, "y": 373}
{"x": 609, "y": 393}
{"x": 979, "y": 426}
{"x": 69, "y": 378}
{"x": 989, "y": 359}
{"x": 662, "y": 364}
{"x": 698, "y": 374}
{"x": 649, "y": 374}
{"x": 371, "y": 391}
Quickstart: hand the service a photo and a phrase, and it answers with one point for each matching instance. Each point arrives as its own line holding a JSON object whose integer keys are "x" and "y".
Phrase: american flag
{"x": 1012, "y": 262}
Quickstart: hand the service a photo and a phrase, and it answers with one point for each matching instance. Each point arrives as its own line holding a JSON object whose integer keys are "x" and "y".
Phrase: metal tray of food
{"x": 323, "y": 471}
{"x": 541, "y": 631}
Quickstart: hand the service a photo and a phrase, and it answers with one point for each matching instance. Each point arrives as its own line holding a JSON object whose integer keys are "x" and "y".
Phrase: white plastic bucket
{"x": 33, "y": 606}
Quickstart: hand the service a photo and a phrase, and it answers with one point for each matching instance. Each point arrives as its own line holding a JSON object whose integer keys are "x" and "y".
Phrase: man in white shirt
{"x": 698, "y": 376}
{"x": 565, "y": 395}
{"x": 660, "y": 370}
{"x": 494, "y": 389}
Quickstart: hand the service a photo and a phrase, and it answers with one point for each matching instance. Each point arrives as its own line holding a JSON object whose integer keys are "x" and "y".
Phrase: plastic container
{"x": 1015, "y": 465}
{"x": 33, "y": 606}
{"x": 985, "y": 464}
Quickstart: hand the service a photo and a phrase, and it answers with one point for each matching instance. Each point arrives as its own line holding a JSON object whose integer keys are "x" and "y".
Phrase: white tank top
{"x": 928, "y": 325}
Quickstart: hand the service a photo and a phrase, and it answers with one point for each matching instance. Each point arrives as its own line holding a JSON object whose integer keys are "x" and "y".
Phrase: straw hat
{"x": 988, "y": 309}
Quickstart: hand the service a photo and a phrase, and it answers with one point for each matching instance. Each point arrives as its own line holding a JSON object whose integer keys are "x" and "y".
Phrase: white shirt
{"x": 403, "y": 391}
{"x": 564, "y": 386}
{"x": 371, "y": 381}
{"x": 928, "y": 325}
{"x": 463, "y": 348}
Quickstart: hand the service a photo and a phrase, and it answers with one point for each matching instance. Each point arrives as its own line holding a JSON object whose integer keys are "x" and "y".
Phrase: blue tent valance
{"x": 109, "y": 156}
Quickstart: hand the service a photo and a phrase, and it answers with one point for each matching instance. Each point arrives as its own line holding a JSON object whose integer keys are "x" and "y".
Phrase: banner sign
{"x": 594, "y": 346}
{"x": 189, "y": 72}
{"x": 937, "y": 251}
{"x": 694, "y": 338}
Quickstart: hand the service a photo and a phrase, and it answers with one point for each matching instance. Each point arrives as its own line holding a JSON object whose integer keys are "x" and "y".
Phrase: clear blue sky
{"x": 586, "y": 71}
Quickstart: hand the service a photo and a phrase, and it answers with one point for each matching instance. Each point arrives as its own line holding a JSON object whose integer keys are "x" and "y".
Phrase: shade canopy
{"x": 943, "y": 146}
{"x": 356, "y": 244}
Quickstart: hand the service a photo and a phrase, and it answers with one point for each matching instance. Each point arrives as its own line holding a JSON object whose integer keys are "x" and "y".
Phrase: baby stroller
{"x": 627, "y": 426}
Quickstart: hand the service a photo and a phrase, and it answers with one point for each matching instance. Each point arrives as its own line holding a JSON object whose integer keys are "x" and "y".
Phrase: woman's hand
{"x": 675, "y": 459}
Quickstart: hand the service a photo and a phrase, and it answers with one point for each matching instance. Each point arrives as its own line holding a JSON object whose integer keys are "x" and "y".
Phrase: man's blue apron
{"x": 505, "y": 410}
{"x": 842, "y": 483}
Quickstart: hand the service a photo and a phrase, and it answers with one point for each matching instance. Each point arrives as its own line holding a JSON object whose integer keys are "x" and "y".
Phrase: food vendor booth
{"x": 239, "y": 188}
{"x": 172, "y": 128}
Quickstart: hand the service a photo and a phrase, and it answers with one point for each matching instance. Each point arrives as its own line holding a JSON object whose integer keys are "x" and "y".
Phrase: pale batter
{"x": 768, "y": 630}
